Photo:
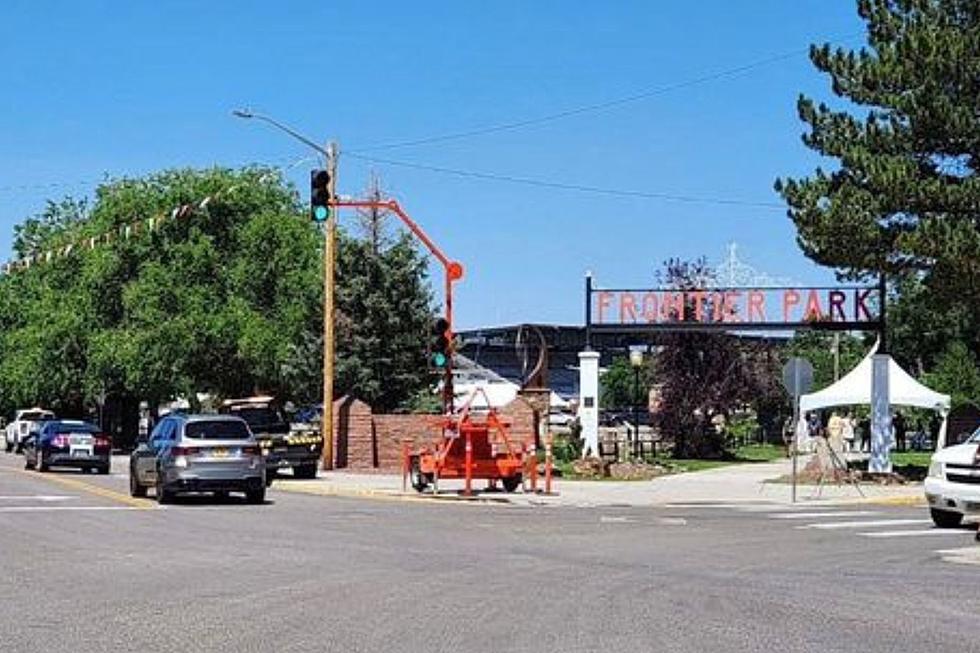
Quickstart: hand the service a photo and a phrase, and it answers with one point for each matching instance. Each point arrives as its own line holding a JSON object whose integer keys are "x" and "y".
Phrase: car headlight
{"x": 936, "y": 469}
{"x": 180, "y": 461}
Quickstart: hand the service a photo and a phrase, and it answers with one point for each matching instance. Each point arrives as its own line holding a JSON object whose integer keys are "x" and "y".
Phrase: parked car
{"x": 67, "y": 443}
{"x": 282, "y": 447}
{"x": 25, "y": 422}
{"x": 198, "y": 453}
{"x": 953, "y": 485}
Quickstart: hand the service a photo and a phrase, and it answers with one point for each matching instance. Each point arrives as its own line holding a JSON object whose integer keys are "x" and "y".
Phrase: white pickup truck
{"x": 953, "y": 484}
{"x": 25, "y": 421}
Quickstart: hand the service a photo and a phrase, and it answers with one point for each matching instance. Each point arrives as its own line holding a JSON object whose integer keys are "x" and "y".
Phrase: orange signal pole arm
{"x": 454, "y": 269}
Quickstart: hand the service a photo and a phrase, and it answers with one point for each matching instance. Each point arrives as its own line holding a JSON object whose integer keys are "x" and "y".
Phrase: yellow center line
{"x": 97, "y": 490}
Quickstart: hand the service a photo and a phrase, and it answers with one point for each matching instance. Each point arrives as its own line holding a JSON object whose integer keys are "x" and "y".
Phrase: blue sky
{"x": 124, "y": 88}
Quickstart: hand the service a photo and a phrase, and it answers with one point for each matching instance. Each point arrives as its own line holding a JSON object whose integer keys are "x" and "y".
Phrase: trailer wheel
{"x": 511, "y": 483}
{"x": 419, "y": 480}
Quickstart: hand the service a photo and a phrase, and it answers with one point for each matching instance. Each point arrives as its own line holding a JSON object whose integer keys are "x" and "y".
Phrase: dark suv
{"x": 282, "y": 448}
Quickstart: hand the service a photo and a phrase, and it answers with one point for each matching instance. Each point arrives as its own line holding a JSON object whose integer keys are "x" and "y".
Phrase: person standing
{"x": 835, "y": 432}
{"x": 847, "y": 432}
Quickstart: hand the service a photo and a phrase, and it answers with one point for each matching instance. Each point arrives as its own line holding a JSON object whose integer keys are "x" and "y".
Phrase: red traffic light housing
{"x": 319, "y": 195}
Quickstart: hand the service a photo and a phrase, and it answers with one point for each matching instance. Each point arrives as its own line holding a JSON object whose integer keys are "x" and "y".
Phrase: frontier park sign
{"x": 839, "y": 308}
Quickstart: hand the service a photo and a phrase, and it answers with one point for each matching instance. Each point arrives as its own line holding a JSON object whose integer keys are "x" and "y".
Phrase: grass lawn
{"x": 911, "y": 458}
{"x": 753, "y": 453}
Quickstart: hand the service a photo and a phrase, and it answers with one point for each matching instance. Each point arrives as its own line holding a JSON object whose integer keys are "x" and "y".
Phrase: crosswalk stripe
{"x": 37, "y": 497}
{"x": 866, "y": 523}
{"x": 65, "y": 508}
{"x": 820, "y": 515}
{"x": 931, "y": 531}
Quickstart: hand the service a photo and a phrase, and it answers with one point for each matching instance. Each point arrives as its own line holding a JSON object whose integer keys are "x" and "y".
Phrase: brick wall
{"x": 367, "y": 442}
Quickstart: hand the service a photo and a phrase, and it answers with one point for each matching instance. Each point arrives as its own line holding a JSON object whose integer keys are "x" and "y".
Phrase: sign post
{"x": 797, "y": 379}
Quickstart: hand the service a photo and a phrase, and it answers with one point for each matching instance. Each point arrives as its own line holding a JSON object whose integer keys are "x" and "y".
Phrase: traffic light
{"x": 319, "y": 195}
{"x": 440, "y": 350}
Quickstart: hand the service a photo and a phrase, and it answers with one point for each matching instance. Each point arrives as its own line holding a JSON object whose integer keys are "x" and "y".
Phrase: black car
{"x": 281, "y": 448}
{"x": 68, "y": 443}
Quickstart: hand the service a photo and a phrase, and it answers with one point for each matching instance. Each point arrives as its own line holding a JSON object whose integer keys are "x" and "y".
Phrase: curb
{"x": 320, "y": 489}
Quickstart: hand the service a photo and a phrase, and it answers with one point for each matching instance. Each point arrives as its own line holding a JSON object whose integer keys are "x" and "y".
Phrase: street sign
{"x": 797, "y": 376}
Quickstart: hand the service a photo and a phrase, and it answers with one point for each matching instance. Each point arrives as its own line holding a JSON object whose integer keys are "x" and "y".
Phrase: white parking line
{"x": 867, "y": 523}
{"x": 64, "y": 508}
{"x": 821, "y": 515}
{"x": 37, "y": 497}
{"x": 931, "y": 531}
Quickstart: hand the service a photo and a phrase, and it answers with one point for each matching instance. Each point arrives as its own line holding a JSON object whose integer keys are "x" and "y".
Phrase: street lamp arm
{"x": 275, "y": 123}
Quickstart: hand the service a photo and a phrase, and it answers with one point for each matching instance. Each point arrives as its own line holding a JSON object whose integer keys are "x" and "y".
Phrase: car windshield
{"x": 217, "y": 430}
{"x": 260, "y": 417}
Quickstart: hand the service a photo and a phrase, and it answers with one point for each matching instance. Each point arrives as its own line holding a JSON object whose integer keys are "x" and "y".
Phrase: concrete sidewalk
{"x": 742, "y": 483}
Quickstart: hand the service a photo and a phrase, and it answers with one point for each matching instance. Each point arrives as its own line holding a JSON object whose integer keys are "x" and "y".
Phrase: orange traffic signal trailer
{"x": 475, "y": 445}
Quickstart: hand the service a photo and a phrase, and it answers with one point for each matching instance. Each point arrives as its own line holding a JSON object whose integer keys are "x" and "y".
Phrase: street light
{"x": 329, "y": 252}
{"x": 636, "y": 360}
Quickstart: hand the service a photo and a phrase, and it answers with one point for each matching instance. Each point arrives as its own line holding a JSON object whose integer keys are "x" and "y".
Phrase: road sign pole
{"x": 796, "y": 420}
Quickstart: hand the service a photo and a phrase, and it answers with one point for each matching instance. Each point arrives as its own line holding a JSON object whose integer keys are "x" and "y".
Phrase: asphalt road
{"x": 83, "y": 568}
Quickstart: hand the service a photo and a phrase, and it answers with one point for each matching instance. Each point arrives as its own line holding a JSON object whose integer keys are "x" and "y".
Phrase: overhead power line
{"x": 588, "y": 108}
{"x": 544, "y": 183}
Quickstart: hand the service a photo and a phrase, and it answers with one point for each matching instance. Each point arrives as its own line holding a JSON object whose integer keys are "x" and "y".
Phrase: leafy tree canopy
{"x": 903, "y": 193}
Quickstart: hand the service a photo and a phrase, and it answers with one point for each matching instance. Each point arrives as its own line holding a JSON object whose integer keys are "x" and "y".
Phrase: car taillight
{"x": 251, "y": 450}
{"x": 59, "y": 441}
{"x": 102, "y": 441}
{"x": 180, "y": 451}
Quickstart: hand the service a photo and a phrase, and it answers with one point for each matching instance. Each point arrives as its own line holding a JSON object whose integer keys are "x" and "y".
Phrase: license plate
{"x": 81, "y": 453}
{"x": 280, "y": 450}
{"x": 219, "y": 452}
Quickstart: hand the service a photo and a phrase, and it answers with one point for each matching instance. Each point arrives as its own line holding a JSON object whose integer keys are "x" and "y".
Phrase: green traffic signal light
{"x": 321, "y": 213}
{"x": 439, "y": 359}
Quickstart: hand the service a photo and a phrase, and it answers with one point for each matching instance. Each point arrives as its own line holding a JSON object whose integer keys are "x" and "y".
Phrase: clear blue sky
{"x": 123, "y": 88}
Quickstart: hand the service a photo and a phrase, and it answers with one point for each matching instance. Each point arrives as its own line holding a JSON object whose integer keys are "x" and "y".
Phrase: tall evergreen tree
{"x": 903, "y": 195}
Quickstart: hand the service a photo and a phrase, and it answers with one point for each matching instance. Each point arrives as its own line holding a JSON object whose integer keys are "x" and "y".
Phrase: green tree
{"x": 818, "y": 348}
{"x": 957, "y": 374}
{"x": 903, "y": 194}
{"x": 619, "y": 388}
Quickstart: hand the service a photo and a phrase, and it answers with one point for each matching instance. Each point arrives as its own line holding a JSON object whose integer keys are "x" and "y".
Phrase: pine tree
{"x": 903, "y": 196}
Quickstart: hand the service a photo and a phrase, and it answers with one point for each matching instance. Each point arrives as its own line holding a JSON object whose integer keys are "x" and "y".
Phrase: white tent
{"x": 855, "y": 388}
{"x": 498, "y": 393}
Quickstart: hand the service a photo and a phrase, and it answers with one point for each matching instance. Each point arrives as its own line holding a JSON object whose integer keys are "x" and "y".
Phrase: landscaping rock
{"x": 589, "y": 467}
{"x": 635, "y": 471}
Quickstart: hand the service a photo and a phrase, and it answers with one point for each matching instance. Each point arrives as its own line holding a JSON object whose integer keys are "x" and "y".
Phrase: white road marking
{"x": 821, "y": 515}
{"x": 969, "y": 555}
{"x": 37, "y": 497}
{"x": 605, "y": 519}
{"x": 931, "y": 531}
{"x": 868, "y": 523}
{"x": 63, "y": 508}
{"x": 672, "y": 521}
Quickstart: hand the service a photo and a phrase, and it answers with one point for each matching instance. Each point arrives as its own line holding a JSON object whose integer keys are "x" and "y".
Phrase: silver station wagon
{"x": 198, "y": 453}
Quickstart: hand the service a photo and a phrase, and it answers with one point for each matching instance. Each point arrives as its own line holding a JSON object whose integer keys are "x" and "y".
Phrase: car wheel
{"x": 8, "y": 447}
{"x": 105, "y": 469}
{"x": 511, "y": 483}
{"x": 136, "y": 489}
{"x": 27, "y": 463}
{"x": 221, "y": 495}
{"x": 945, "y": 518}
{"x": 163, "y": 494}
{"x": 255, "y": 496}
{"x": 39, "y": 463}
{"x": 307, "y": 471}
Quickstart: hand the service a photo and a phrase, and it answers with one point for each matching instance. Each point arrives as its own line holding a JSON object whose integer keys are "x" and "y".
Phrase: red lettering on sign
{"x": 672, "y": 307}
{"x": 813, "y": 309}
{"x": 650, "y": 307}
{"x": 732, "y": 312}
{"x": 757, "y": 306}
{"x": 604, "y": 298}
{"x": 837, "y": 300}
{"x": 790, "y": 299}
{"x": 627, "y": 307}
{"x": 859, "y": 306}
{"x": 698, "y": 298}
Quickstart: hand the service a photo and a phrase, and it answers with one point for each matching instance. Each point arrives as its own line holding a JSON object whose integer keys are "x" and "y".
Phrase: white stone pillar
{"x": 588, "y": 400}
{"x": 881, "y": 416}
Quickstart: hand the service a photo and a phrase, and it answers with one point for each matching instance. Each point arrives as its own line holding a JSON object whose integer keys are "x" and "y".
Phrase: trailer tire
{"x": 511, "y": 483}
{"x": 418, "y": 480}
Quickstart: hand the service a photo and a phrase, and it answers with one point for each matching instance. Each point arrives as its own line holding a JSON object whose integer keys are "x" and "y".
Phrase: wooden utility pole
{"x": 329, "y": 256}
